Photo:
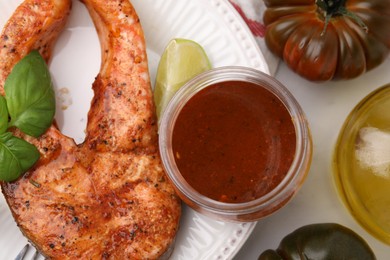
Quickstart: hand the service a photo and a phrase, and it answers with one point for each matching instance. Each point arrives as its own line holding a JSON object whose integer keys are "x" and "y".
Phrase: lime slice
{"x": 182, "y": 60}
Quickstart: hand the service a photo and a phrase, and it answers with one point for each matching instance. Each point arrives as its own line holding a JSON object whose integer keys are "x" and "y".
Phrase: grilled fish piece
{"x": 35, "y": 24}
{"x": 107, "y": 198}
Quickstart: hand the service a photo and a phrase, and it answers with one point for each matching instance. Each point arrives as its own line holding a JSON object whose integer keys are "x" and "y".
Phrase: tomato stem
{"x": 332, "y": 8}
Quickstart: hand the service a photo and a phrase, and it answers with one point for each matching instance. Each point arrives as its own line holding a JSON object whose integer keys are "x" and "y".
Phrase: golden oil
{"x": 361, "y": 163}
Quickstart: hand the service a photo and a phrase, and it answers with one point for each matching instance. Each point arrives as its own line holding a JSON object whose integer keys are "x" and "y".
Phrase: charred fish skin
{"x": 109, "y": 197}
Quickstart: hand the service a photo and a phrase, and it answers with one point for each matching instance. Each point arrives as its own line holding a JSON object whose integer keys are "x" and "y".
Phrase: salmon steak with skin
{"x": 107, "y": 198}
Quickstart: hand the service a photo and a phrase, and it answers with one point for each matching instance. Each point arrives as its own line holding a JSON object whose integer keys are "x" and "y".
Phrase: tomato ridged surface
{"x": 341, "y": 48}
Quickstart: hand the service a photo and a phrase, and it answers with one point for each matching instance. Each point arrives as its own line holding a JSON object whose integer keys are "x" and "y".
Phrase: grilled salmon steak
{"x": 107, "y": 198}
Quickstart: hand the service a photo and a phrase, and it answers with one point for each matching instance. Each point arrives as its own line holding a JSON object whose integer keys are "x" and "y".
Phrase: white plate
{"x": 223, "y": 34}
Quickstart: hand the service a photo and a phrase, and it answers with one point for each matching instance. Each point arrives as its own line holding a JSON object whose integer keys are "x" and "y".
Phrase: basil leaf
{"x": 16, "y": 156}
{"x": 3, "y": 115}
{"x": 30, "y": 95}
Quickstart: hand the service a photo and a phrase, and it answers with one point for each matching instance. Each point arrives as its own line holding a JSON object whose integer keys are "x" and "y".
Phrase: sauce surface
{"x": 234, "y": 141}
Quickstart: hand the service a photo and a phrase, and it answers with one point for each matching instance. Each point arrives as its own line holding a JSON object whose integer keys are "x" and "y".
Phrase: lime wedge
{"x": 181, "y": 60}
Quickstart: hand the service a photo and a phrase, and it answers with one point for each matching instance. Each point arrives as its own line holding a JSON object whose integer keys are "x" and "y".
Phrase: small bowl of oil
{"x": 361, "y": 163}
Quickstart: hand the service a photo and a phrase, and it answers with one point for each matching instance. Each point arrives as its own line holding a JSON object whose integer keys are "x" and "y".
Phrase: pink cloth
{"x": 252, "y": 13}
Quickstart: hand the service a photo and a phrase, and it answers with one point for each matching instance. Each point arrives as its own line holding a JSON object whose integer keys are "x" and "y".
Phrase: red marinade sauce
{"x": 234, "y": 141}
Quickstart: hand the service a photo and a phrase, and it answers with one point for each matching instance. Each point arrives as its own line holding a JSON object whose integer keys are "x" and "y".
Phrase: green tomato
{"x": 324, "y": 241}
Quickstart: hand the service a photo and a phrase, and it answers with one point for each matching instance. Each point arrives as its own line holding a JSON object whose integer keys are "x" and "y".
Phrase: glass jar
{"x": 283, "y": 191}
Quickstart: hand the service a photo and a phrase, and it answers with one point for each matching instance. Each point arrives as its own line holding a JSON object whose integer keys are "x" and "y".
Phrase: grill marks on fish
{"x": 107, "y": 198}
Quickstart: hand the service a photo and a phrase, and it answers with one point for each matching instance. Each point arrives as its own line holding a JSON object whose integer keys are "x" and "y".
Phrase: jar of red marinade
{"x": 235, "y": 143}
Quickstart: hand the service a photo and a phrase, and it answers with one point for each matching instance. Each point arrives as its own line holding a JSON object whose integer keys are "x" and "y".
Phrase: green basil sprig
{"x": 3, "y": 115}
{"x": 29, "y": 104}
{"x": 17, "y": 156}
{"x": 30, "y": 95}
